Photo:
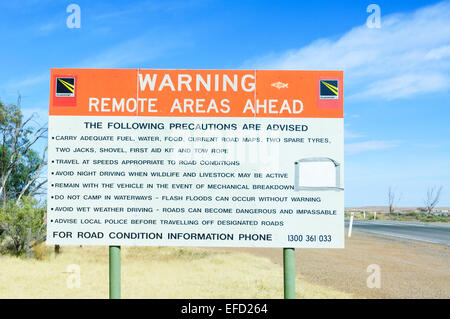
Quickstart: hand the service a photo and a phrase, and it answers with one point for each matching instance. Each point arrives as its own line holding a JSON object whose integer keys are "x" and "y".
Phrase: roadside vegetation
{"x": 426, "y": 214}
{"x": 22, "y": 225}
{"x": 412, "y": 216}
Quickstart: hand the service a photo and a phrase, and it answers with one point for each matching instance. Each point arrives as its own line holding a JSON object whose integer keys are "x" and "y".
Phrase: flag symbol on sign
{"x": 65, "y": 87}
{"x": 329, "y": 89}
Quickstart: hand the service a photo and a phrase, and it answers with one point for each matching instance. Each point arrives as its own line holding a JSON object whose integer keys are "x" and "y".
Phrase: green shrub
{"x": 16, "y": 219}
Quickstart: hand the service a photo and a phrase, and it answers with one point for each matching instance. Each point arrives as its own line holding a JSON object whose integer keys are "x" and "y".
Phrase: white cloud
{"x": 439, "y": 53}
{"x": 358, "y": 147}
{"x": 405, "y": 85}
{"x": 350, "y": 134}
{"x": 46, "y": 28}
{"x": 408, "y": 55}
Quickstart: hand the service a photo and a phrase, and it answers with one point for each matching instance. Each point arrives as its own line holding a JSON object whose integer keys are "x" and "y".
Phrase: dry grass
{"x": 151, "y": 272}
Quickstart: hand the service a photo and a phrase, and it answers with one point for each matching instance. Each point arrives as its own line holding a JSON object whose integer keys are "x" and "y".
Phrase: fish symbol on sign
{"x": 280, "y": 85}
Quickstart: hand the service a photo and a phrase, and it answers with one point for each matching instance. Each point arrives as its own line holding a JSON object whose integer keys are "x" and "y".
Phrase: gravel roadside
{"x": 408, "y": 269}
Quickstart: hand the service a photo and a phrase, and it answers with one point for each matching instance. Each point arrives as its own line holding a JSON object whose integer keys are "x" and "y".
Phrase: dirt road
{"x": 409, "y": 269}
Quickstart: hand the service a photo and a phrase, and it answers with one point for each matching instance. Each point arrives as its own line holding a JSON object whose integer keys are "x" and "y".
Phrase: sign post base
{"x": 114, "y": 272}
{"x": 289, "y": 273}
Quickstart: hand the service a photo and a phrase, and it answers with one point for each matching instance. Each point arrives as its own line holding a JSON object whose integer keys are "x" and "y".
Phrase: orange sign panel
{"x": 196, "y": 93}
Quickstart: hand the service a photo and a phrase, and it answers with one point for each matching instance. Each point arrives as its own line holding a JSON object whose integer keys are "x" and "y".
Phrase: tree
{"x": 20, "y": 166}
{"x": 20, "y": 176}
{"x": 393, "y": 200}
{"x": 433, "y": 196}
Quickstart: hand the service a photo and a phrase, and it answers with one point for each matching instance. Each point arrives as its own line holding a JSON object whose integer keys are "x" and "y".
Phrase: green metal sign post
{"x": 289, "y": 273}
{"x": 114, "y": 272}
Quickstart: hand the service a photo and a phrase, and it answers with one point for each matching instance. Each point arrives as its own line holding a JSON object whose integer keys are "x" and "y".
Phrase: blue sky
{"x": 397, "y": 77}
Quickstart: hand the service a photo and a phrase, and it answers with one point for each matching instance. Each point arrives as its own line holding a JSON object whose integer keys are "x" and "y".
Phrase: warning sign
{"x": 237, "y": 158}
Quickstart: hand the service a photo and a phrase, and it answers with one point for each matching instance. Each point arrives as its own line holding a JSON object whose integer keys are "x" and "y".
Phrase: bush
{"x": 16, "y": 219}
{"x": 41, "y": 251}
